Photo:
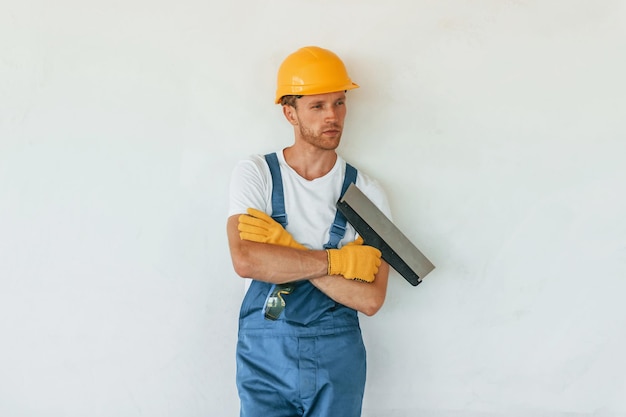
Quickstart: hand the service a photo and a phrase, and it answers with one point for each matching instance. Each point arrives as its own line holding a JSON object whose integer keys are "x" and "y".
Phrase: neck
{"x": 310, "y": 163}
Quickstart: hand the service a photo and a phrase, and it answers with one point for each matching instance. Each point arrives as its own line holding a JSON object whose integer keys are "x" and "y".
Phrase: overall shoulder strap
{"x": 278, "y": 199}
{"x": 280, "y": 215}
{"x": 338, "y": 228}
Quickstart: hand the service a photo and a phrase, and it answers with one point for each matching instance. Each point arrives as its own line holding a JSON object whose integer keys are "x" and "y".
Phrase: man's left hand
{"x": 257, "y": 226}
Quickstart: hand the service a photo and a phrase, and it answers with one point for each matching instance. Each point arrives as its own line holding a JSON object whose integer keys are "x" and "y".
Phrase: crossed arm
{"x": 279, "y": 264}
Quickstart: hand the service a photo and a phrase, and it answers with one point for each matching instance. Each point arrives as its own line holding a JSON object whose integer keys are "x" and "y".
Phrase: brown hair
{"x": 289, "y": 101}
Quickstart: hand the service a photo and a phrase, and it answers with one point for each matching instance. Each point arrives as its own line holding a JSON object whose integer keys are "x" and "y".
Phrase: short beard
{"x": 316, "y": 140}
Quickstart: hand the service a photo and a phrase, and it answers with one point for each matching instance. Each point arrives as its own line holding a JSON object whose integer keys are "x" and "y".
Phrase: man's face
{"x": 319, "y": 119}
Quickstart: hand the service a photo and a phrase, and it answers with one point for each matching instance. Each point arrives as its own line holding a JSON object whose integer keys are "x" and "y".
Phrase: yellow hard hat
{"x": 312, "y": 70}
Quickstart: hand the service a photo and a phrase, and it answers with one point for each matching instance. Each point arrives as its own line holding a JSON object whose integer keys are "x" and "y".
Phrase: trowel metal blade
{"x": 378, "y": 231}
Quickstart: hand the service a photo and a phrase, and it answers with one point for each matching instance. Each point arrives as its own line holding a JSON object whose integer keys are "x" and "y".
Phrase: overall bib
{"x": 308, "y": 362}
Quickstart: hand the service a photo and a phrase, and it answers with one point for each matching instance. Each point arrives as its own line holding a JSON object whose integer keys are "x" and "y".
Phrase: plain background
{"x": 496, "y": 127}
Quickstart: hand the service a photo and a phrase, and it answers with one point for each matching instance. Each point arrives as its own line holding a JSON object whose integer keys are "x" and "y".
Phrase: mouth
{"x": 334, "y": 131}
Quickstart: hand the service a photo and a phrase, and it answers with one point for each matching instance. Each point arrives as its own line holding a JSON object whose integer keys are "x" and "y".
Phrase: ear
{"x": 290, "y": 114}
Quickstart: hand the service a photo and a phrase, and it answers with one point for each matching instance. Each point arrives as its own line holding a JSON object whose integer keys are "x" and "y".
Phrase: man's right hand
{"x": 354, "y": 261}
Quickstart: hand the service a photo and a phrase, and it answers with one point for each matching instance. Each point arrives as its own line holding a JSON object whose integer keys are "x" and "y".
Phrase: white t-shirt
{"x": 310, "y": 205}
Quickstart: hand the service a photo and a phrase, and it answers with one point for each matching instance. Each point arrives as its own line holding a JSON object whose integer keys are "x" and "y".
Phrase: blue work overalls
{"x": 310, "y": 362}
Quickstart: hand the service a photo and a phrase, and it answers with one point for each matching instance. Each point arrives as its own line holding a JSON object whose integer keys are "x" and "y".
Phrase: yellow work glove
{"x": 259, "y": 227}
{"x": 354, "y": 261}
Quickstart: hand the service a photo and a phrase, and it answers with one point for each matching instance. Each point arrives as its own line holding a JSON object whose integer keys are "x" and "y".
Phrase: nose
{"x": 332, "y": 113}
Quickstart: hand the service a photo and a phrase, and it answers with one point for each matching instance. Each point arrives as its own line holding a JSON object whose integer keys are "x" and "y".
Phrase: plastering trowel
{"x": 378, "y": 231}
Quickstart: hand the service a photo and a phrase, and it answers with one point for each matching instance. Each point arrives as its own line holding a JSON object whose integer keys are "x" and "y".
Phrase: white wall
{"x": 497, "y": 128}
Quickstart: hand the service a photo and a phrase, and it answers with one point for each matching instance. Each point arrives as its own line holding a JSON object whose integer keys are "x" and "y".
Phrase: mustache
{"x": 334, "y": 126}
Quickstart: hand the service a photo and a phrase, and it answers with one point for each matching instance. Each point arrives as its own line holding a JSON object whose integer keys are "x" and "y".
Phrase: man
{"x": 300, "y": 351}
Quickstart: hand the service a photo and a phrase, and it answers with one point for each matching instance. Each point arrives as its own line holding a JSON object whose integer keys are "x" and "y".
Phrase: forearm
{"x": 365, "y": 297}
{"x": 273, "y": 263}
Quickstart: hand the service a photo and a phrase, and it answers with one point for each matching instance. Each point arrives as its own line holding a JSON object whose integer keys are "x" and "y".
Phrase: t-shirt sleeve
{"x": 249, "y": 186}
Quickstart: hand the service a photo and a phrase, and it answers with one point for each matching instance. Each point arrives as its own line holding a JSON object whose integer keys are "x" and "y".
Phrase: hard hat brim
{"x": 303, "y": 90}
